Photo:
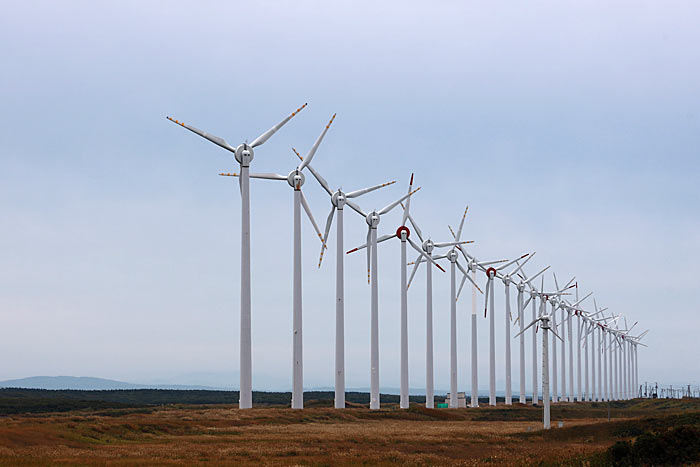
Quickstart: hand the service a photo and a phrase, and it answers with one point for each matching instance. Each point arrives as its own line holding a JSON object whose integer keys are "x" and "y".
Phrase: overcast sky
{"x": 569, "y": 128}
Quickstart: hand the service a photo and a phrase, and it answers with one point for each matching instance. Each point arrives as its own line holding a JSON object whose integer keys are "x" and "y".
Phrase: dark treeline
{"x": 14, "y": 401}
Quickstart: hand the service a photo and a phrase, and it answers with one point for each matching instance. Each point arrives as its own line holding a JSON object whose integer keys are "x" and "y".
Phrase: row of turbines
{"x": 613, "y": 349}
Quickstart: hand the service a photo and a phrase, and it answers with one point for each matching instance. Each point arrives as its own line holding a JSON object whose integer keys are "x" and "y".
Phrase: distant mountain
{"x": 89, "y": 384}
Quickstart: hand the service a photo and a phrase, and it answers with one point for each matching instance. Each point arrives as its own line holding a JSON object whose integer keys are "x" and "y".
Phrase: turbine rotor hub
{"x": 452, "y": 256}
{"x": 338, "y": 199}
{"x": 428, "y": 246}
{"x": 244, "y": 154}
{"x": 372, "y": 219}
{"x": 490, "y": 273}
{"x": 545, "y": 322}
{"x": 403, "y": 233}
{"x": 295, "y": 179}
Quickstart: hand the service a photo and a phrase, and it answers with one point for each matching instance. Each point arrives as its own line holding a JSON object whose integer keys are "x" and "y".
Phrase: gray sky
{"x": 570, "y": 128}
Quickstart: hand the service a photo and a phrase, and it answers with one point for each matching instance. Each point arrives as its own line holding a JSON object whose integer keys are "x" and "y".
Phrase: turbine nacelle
{"x": 372, "y": 220}
{"x": 403, "y": 233}
{"x": 244, "y": 154}
{"x": 428, "y": 246}
{"x": 338, "y": 199}
{"x": 545, "y": 322}
{"x": 295, "y": 179}
{"x": 452, "y": 255}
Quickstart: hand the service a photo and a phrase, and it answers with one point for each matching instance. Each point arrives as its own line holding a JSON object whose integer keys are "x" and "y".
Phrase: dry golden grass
{"x": 314, "y": 436}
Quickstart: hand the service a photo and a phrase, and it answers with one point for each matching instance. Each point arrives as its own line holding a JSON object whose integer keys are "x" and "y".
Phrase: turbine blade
{"x": 355, "y": 208}
{"x": 357, "y": 193}
{"x": 520, "y": 265}
{"x": 461, "y": 224}
{"x": 534, "y": 321}
{"x": 488, "y": 263}
{"x": 269, "y": 176}
{"x": 529, "y": 281}
{"x": 214, "y": 139}
{"x": 384, "y": 238}
{"x": 486, "y": 295}
{"x": 329, "y": 221}
{"x": 511, "y": 262}
{"x": 391, "y": 206}
{"x": 474, "y": 283}
{"x": 316, "y": 175}
{"x": 461, "y": 285}
{"x": 265, "y": 136}
{"x": 305, "y": 204}
{"x": 556, "y": 284}
{"x": 425, "y": 255}
{"x": 415, "y": 269}
{"x": 557, "y": 335}
{"x": 415, "y": 227}
{"x": 408, "y": 203}
{"x": 369, "y": 251}
{"x": 446, "y": 244}
{"x": 314, "y": 148}
{"x": 454, "y": 237}
{"x": 580, "y": 301}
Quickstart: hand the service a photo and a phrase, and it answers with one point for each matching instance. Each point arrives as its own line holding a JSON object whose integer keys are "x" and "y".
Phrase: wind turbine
{"x": 372, "y": 220}
{"x": 520, "y": 286}
{"x": 507, "y": 279}
{"x": 244, "y": 155}
{"x": 427, "y": 247}
{"x": 403, "y": 233}
{"x": 544, "y": 321}
{"x": 544, "y": 297}
{"x": 472, "y": 266}
{"x": 296, "y": 179}
{"x": 566, "y": 314}
{"x": 338, "y": 200}
{"x": 491, "y": 274}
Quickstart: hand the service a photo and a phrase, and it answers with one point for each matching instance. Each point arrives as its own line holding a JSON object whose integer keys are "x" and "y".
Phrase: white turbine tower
{"x": 545, "y": 323}
{"x": 296, "y": 179}
{"x": 244, "y": 155}
{"x": 338, "y": 201}
{"x": 403, "y": 234}
{"x": 427, "y": 247}
{"x": 372, "y": 220}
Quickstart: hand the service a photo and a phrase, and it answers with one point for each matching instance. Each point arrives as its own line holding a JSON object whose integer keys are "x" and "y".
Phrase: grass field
{"x": 321, "y": 435}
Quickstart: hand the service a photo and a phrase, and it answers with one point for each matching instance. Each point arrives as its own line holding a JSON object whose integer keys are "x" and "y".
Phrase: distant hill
{"x": 89, "y": 384}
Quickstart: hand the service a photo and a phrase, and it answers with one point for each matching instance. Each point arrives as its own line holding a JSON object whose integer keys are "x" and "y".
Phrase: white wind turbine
{"x": 296, "y": 179}
{"x": 520, "y": 286}
{"x": 427, "y": 247}
{"x": 545, "y": 323}
{"x": 543, "y": 296}
{"x": 566, "y": 313}
{"x": 491, "y": 274}
{"x": 598, "y": 326}
{"x": 244, "y": 155}
{"x": 338, "y": 201}
{"x": 556, "y": 304}
{"x": 372, "y": 220}
{"x": 403, "y": 233}
{"x": 472, "y": 266}
{"x": 589, "y": 322}
{"x": 507, "y": 279}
